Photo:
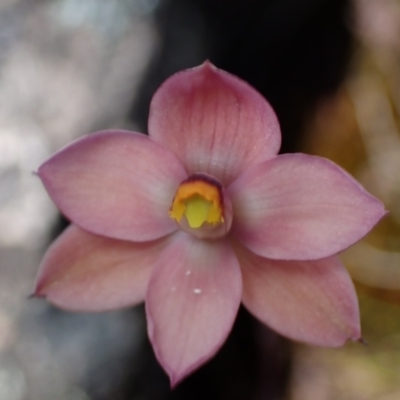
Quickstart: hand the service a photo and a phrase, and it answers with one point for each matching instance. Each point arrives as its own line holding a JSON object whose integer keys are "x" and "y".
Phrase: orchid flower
{"x": 202, "y": 215}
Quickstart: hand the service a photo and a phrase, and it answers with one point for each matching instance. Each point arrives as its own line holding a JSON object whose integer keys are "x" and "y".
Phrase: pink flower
{"x": 201, "y": 215}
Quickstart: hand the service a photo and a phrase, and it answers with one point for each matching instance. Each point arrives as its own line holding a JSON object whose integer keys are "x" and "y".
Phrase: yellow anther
{"x": 199, "y": 201}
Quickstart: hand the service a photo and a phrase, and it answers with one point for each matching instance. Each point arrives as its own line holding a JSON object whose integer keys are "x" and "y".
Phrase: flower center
{"x": 199, "y": 200}
{"x": 200, "y": 207}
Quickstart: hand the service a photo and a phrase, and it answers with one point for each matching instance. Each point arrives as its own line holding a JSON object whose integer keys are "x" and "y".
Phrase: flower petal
{"x": 309, "y": 301}
{"x": 192, "y": 300}
{"x": 300, "y": 207}
{"x": 214, "y": 122}
{"x": 86, "y": 272}
{"x": 117, "y": 184}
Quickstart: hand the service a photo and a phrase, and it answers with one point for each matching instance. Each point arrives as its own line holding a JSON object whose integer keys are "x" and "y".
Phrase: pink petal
{"x": 118, "y": 184}
{"x": 300, "y": 207}
{"x": 309, "y": 301}
{"x": 214, "y": 122}
{"x": 85, "y": 272}
{"x": 192, "y": 300}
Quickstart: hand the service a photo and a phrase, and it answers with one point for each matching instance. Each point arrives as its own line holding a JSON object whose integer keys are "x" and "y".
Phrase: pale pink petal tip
{"x": 308, "y": 301}
{"x": 117, "y": 184}
{"x": 301, "y": 207}
{"x": 198, "y": 112}
{"x": 86, "y": 272}
{"x": 191, "y": 304}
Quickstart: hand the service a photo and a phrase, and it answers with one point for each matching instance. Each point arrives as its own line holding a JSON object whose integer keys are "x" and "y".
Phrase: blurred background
{"x": 331, "y": 70}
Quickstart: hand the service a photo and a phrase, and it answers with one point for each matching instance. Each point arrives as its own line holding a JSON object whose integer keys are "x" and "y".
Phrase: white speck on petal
{"x": 197, "y": 291}
{"x": 188, "y": 272}
{"x": 173, "y": 289}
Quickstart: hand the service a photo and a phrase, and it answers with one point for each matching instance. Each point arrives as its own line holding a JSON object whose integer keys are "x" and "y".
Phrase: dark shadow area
{"x": 295, "y": 53}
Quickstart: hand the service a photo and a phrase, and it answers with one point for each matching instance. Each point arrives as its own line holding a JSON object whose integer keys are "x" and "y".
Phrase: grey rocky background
{"x": 67, "y": 67}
